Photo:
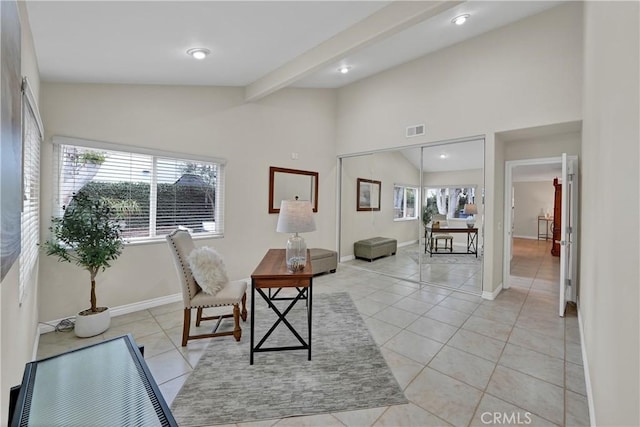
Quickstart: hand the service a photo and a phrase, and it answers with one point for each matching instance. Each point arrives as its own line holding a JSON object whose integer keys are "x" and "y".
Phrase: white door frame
{"x": 508, "y": 185}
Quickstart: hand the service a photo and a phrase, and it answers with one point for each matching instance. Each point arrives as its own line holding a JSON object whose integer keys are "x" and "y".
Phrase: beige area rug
{"x": 346, "y": 372}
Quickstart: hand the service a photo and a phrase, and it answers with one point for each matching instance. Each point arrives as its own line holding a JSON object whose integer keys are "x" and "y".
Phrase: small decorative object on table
{"x": 470, "y": 209}
{"x": 296, "y": 216}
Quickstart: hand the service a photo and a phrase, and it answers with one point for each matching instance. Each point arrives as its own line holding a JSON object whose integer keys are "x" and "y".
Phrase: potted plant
{"x": 88, "y": 233}
{"x": 427, "y": 214}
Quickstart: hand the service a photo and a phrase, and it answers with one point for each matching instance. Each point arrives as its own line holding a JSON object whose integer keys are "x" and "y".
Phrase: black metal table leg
{"x": 253, "y": 311}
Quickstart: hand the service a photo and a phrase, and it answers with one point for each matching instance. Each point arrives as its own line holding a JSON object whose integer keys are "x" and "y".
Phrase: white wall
{"x": 609, "y": 285}
{"x": 389, "y": 168}
{"x": 543, "y": 146}
{"x": 523, "y": 75}
{"x": 532, "y": 199}
{"x": 211, "y": 121}
{"x": 18, "y": 322}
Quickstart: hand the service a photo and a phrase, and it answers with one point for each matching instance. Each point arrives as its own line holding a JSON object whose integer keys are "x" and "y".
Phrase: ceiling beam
{"x": 397, "y": 16}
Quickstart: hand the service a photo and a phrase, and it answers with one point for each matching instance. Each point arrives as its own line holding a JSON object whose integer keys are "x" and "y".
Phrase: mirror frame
{"x": 272, "y": 172}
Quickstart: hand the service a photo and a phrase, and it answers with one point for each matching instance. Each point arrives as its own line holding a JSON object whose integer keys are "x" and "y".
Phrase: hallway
{"x": 533, "y": 267}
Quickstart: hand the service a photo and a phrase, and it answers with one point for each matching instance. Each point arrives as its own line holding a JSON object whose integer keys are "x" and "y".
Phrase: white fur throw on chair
{"x": 208, "y": 269}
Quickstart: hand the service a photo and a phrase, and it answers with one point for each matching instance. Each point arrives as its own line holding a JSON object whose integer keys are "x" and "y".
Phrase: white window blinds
{"x": 30, "y": 223}
{"x": 152, "y": 193}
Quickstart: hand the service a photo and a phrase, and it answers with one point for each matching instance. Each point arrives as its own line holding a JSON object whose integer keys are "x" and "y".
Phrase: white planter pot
{"x": 89, "y": 325}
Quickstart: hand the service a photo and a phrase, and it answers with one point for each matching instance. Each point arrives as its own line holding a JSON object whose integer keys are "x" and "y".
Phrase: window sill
{"x": 162, "y": 239}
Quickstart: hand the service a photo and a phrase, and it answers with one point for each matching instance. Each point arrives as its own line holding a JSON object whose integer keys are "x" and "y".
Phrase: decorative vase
{"x": 90, "y": 324}
{"x": 471, "y": 221}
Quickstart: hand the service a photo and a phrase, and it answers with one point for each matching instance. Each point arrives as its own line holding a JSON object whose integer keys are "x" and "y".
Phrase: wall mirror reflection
{"x": 289, "y": 184}
{"x": 442, "y": 182}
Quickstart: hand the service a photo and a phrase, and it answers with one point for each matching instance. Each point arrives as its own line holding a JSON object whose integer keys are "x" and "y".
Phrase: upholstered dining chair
{"x": 437, "y": 236}
{"x": 232, "y": 293}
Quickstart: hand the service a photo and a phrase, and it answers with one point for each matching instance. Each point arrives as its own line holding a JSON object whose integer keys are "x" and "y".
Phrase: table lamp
{"x": 470, "y": 209}
{"x": 296, "y": 216}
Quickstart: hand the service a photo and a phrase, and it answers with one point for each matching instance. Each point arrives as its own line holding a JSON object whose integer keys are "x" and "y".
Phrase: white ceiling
{"x": 457, "y": 156}
{"x": 145, "y": 42}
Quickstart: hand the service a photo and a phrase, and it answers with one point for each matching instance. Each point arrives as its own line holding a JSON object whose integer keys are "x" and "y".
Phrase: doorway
{"x": 537, "y": 220}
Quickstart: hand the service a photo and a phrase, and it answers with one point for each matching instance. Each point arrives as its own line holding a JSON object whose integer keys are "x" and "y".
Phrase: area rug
{"x": 346, "y": 371}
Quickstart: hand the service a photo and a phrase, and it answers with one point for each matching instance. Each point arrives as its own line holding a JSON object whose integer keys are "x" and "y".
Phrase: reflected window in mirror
{"x": 405, "y": 201}
{"x": 450, "y": 200}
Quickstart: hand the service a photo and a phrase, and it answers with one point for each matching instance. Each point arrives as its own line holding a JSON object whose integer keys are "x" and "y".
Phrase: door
{"x": 568, "y": 243}
{"x": 513, "y": 212}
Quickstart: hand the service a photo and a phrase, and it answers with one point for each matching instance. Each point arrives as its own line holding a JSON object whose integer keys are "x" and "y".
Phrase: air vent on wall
{"x": 416, "y": 130}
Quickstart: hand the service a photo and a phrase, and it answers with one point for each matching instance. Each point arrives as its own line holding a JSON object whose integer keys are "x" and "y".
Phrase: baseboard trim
{"x": 585, "y": 366}
{"x": 49, "y": 326}
{"x": 492, "y": 295}
{"x": 527, "y": 237}
{"x": 347, "y": 258}
{"x": 36, "y": 343}
{"x": 409, "y": 243}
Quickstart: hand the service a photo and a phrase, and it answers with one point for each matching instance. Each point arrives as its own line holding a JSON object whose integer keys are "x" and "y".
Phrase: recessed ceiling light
{"x": 443, "y": 156}
{"x": 344, "y": 69}
{"x": 198, "y": 52}
{"x": 461, "y": 19}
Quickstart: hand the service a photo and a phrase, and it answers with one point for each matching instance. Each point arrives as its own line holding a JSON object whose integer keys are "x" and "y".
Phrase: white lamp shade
{"x": 470, "y": 209}
{"x": 296, "y": 216}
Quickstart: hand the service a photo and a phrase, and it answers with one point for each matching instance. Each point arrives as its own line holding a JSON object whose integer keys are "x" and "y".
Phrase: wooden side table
{"x": 545, "y": 221}
{"x": 272, "y": 273}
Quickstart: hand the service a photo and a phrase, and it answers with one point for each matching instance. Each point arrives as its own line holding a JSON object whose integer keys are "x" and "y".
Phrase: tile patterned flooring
{"x": 466, "y": 274}
{"x": 461, "y": 360}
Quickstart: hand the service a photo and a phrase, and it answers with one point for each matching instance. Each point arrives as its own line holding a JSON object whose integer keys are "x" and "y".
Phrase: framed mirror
{"x": 287, "y": 184}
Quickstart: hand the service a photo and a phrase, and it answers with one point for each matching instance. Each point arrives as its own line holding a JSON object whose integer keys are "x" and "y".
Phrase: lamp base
{"x": 296, "y": 253}
{"x": 471, "y": 221}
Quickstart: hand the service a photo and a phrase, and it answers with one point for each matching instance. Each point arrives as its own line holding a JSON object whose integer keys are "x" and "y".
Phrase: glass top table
{"x": 105, "y": 384}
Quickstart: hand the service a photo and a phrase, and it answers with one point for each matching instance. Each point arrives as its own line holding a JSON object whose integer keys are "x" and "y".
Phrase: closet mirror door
{"x": 385, "y": 194}
{"x": 389, "y": 182}
{"x": 453, "y": 215}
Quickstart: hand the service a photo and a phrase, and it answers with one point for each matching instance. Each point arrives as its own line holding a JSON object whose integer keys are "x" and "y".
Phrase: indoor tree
{"x": 87, "y": 234}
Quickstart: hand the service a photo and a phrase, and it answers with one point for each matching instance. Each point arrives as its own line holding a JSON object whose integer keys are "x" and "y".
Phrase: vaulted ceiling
{"x": 259, "y": 45}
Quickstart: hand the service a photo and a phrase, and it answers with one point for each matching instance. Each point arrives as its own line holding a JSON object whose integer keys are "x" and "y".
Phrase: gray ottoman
{"x": 375, "y": 247}
{"x": 323, "y": 261}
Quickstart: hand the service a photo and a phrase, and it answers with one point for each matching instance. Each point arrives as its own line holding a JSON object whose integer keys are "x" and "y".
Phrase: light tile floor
{"x": 461, "y": 360}
{"x": 465, "y": 275}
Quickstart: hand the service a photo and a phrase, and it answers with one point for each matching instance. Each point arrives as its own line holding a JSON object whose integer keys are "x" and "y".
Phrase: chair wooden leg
{"x": 185, "y": 327}
{"x": 237, "y": 332}
{"x": 199, "y": 316}
{"x": 244, "y": 307}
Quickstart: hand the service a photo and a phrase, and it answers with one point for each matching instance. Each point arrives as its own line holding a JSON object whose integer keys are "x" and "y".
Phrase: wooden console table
{"x": 104, "y": 384}
{"x": 272, "y": 273}
{"x": 472, "y": 239}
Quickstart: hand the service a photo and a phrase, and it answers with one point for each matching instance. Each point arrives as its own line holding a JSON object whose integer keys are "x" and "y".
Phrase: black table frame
{"x": 282, "y": 318}
{"x": 472, "y": 240}
{"x": 272, "y": 274}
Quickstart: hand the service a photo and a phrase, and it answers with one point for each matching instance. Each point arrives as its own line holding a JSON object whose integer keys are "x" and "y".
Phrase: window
{"x": 449, "y": 201}
{"x": 30, "y": 223}
{"x": 404, "y": 202}
{"x": 151, "y": 192}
